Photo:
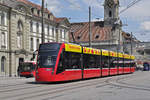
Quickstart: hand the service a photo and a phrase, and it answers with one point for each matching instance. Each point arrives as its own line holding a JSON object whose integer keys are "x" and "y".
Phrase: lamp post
{"x": 43, "y": 34}
{"x": 90, "y": 26}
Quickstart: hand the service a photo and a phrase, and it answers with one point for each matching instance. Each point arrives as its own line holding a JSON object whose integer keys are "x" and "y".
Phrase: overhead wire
{"x": 84, "y": 10}
{"x": 130, "y": 5}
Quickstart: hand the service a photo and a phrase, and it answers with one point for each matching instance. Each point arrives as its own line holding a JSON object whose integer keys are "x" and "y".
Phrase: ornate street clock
{"x": 110, "y": 3}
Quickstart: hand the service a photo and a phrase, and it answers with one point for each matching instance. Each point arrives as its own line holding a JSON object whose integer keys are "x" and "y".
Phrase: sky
{"x": 136, "y": 19}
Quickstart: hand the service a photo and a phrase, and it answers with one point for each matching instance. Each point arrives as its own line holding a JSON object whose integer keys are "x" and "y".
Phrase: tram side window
{"x": 121, "y": 62}
{"x": 126, "y": 63}
{"x": 86, "y": 61}
{"x": 105, "y": 61}
{"x": 98, "y": 61}
{"x": 72, "y": 60}
{"x": 91, "y": 61}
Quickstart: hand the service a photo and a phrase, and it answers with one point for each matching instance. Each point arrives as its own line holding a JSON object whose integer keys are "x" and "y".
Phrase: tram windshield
{"x": 47, "y": 55}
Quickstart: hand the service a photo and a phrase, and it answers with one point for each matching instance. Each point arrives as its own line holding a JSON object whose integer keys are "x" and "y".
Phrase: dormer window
{"x": 97, "y": 36}
{"x": 78, "y": 37}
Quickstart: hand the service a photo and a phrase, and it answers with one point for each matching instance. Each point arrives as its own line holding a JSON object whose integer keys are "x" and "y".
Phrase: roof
{"x": 81, "y": 31}
{"x": 33, "y": 5}
{"x": 128, "y": 37}
{"x": 58, "y": 20}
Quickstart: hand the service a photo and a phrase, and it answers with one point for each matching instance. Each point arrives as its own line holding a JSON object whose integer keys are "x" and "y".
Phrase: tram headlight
{"x": 28, "y": 68}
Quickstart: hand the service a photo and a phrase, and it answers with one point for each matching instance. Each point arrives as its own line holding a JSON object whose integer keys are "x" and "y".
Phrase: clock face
{"x": 110, "y": 3}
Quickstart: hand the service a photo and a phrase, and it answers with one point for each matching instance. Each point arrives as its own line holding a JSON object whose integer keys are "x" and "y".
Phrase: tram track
{"x": 120, "y": 83}
{"x": 105, "y": 83}
{"x": 58, "y": 89}
{"x": 43, "y": 90}
{"x": 8, "y": 86}
{"x": 13, "y": 84}
{"x": 9, "y": 90}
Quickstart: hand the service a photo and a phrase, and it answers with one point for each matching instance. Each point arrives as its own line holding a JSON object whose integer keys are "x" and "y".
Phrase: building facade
{"x": 20, "y": 32}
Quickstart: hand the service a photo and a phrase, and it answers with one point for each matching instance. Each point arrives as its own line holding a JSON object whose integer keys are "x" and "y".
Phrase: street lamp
{"x": 43, "y": 34}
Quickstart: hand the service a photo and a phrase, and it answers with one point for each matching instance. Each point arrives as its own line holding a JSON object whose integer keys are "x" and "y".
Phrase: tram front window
{"x": 47, "y": 55}
{"x": 26, "y": 66}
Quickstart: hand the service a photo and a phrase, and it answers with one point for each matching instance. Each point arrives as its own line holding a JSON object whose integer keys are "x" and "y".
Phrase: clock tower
{"x": 111, "y": 11}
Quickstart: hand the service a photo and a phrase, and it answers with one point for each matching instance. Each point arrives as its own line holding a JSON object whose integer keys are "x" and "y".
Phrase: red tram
{"x": 63, "y": 62}
{"x": 27, "y": 69}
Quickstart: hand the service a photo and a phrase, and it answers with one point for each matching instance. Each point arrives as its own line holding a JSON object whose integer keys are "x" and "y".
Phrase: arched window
{"x": 110, "y": 14}
{"x": 3, "y": 61}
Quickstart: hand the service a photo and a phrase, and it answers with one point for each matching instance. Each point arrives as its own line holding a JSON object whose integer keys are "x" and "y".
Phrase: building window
{"x": 48, "y": 30}
{"x": 53, "y": 32}
{"x": 32, "y": 10}
{"x": 2, "y": 18}
{"x": 3, "y": 60}
{"x": 31, "y": 26}
{"x": 48, "y": 16}
{"x": 37, "y": 27}
{"x": 19, "y": 40}
{"x": 31, "y": 44}
{"x": 110, "y": 14}
{"x": 3, "y": 39}
{"x": 38, "y": 12}
{"x": 51, "y": 17}
{"x": 64, "y": 35}
{"x": 20, "y": 26}
{"x": 37, "y": 43}
{"x": 61, "y": 34}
